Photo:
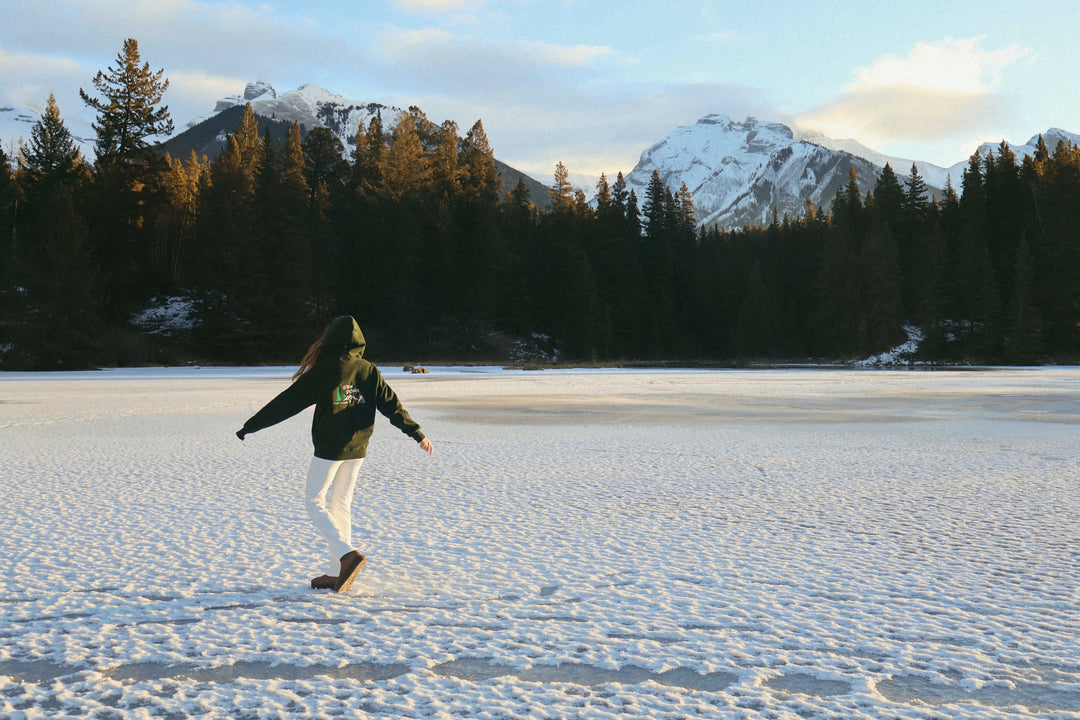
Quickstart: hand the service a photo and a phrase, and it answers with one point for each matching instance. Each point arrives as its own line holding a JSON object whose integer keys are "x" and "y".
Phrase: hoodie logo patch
{"x": 347, "y": 396}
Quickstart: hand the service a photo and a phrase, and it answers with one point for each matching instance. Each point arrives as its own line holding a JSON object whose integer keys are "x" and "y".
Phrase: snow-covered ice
{"x": 594, "y": 544}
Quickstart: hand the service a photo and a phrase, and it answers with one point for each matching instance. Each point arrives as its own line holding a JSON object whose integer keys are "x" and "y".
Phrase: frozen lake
{"x": 664, "y": 544}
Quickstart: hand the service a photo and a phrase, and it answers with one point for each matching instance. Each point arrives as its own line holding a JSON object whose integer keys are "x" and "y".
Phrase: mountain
{"x": 311, "y": 106}
{"x": 934, "y": 175}
{"x": 1051, "y": 138}
{"x": 740, "y": 173}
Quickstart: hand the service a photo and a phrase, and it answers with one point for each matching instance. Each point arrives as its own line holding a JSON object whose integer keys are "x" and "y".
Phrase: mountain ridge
{"x": 740, "y": 176}
{"x": 740, "y": 173}
{"x": 311, "y": 106}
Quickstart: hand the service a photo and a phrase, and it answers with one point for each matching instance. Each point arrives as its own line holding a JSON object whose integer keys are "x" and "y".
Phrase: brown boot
{"x": 351, "y": 562}
{"x": 324, "y": 582}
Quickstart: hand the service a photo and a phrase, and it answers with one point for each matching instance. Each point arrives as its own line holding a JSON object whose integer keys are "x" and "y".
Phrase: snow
{"x": 902, "y": 354}
{"x": 167, "y": 316}
{"x": 932, "y": 175}
{"x": 312, "y": 105}
{"x": 739, "y": 173}
{"x": 664, "y": 544}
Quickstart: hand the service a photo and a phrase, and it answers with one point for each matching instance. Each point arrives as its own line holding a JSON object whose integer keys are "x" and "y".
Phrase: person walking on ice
{"x": 346, "y": 390}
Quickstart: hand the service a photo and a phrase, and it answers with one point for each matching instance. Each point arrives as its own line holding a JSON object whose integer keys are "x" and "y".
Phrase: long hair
{"x": 310, "y": 357}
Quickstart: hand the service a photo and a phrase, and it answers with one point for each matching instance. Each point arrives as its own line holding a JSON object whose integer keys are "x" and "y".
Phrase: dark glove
{"x": 241, "y": 433}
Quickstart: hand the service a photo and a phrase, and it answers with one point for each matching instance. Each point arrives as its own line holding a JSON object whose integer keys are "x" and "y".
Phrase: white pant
{"x": 328, "y": 500}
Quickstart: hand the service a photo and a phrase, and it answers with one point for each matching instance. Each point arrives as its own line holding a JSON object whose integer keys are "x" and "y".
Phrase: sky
{"x": 589, "y": 83}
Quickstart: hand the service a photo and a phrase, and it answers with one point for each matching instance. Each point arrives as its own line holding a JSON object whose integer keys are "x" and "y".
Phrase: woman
{"x": 346, "y": 390}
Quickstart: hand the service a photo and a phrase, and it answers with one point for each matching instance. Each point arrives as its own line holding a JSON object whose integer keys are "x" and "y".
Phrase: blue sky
{"x": 590, "y": 83}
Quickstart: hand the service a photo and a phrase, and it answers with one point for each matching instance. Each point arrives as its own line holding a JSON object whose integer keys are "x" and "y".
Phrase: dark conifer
{"x": 323, "y": 163}
{"x": 480, "y": 181}
{"x": 561, "y": 191}
{"x": 51, "y": 156}
{"x": 656, "y": 207}
{"x": 916, "y": 196}
{"x": 130, "y": 110}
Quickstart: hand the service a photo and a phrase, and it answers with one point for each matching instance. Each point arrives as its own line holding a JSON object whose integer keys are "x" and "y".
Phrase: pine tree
{"x": 56, "y": 265}
{"x": 323, "y": 163}
{"x": 561, "y": 191}
{"x": 175, "y": 226}
{"x": 51, "y": 172}
{"x": 130, "y": 111}
{"x": 407, "y": 167}
{"x": 369, "y": 160}
{"x": 888, "y": 199}
{"x": 1025, "y": 319}
{"x": 755, "y": 330}
{"x": 445, "y": 163}
{"x": 916, "y": 196}
{"x": 971, "y": 182}
{"x": 633, "y": 216}
{"x": 480, "y": 181}
{"x": 1006, "y": 215}
{"x": 128, "y": 175}
{"x": 656, "y": 207}
{"x": 51, "y": 156}
{"x": 1059, "y": 260}
{"x": 225, "y": 251}
{"x": 619, "y": 194}
{"x": 880, "y": 308}
{"x": 603, "y": 196}
{"x": 7, "y": 221}
{"x": 293, "y": 171}
{"x": 244, "y": 153}
{"x": 684, "y": 203}
{"x": 847, "y": 208}
{"x": 283, "y": 244}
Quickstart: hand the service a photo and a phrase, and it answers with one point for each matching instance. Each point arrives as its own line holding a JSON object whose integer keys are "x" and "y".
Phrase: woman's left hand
{"x": 426, "y": 446}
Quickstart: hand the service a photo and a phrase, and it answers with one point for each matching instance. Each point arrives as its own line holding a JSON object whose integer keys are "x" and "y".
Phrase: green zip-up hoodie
{"x": 346, "y": 390}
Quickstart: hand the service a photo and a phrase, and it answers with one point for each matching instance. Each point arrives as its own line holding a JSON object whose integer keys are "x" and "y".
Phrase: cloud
{"x": 28, "y": 78}
{"x": 207, "y": 49}
{"x": 939, "y": 90}
{"x": 437, "y": 58}
{"x": 542, "y": 103}
{"x": 952, "y": 65}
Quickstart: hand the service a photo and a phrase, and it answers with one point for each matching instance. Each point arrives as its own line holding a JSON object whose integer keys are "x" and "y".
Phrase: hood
{"x": 343, "y": 337}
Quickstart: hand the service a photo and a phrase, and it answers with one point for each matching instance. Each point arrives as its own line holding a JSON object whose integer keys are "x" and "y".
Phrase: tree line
{"x": 410, "y": 231}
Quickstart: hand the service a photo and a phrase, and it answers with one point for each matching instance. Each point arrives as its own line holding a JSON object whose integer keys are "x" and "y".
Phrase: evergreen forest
{"x": 410, "y": 231}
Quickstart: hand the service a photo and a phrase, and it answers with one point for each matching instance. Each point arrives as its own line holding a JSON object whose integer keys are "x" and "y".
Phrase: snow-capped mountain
{"x": 1051, "y": 138}
{"x": 933, "y": 175}
{"x": 310, "y": 105}
{"x": 313, "y": 106}
{"x": 739, "y": 173}
{"x": 252, "y": 92}
{"x": 936, "y": 176}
